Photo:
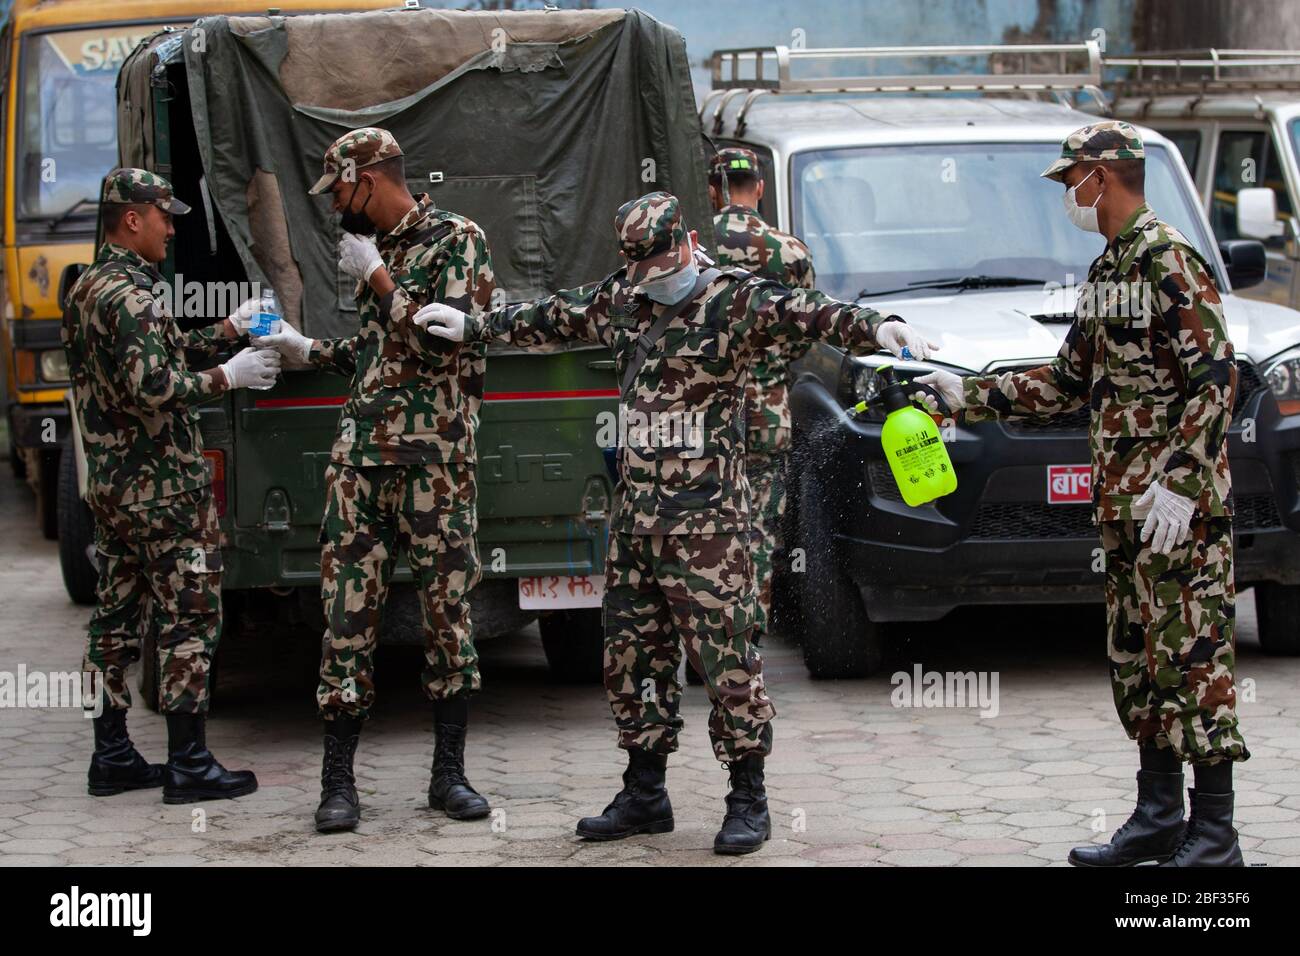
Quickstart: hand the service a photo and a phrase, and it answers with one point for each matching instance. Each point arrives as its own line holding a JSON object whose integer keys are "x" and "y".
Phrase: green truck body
{"x": 545, "y": 489}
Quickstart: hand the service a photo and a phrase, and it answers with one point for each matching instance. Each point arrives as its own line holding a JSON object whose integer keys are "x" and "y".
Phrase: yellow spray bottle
{"x": 912, "y": 443}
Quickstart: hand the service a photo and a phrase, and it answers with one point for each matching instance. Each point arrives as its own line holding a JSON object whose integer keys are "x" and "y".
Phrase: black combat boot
{"x": 340, "y": 807}
{"x": 642, "y": 806}
{"x": 1210, "y": 839}
{"x": 116, "y": 765}
{"x": 1151, "y": 834}
{"x": 192, "y": 772}
{"x": 747, "y": 823}
{"x": 449, "y": 790}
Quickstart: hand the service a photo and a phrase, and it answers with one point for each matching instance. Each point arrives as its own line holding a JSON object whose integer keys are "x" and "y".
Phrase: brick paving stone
{"x": 852, "y": 780}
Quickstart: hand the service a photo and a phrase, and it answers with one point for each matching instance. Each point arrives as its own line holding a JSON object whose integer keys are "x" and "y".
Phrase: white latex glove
{"x": 442, "y": 321}
{"x": 1169, "y": 520}
{"x": 243, "y": 315}
{"x": 702, "y": 259}
{"x": 896, "y": 336}
{"x": 289, "y": 342}
{"x": 948, "y": 385}
{"x": 358, "y": 256}
{"x": 252, "y": 367}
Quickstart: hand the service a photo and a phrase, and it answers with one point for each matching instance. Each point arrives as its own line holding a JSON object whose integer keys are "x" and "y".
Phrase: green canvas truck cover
{"x": 535, "y": 124}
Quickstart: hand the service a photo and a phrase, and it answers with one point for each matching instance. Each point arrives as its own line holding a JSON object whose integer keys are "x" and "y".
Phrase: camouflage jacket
{"x": 133, "y": 391}
{"x": 681, "y": 461}
{"x": 415, "y": 397}
{"x": 1149, "y": 351}
{"x": 743, "y": 240}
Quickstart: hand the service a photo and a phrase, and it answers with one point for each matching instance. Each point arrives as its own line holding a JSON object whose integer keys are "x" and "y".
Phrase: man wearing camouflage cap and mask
{"x": 1149, "y": 351}
{"x": 744, "y": 241}
{"x": 149, "y": 488}
{"x": 679, "y": 567}
{"x": 402, "y": 468}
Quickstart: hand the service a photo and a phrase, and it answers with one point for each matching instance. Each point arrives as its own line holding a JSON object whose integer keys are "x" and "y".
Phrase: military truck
{"x": 537, "y": 125}
{"x": 913, "y": 176}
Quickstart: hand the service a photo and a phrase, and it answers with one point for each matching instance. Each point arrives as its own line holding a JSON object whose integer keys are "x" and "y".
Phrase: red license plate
{"x": 1069, "y": 484}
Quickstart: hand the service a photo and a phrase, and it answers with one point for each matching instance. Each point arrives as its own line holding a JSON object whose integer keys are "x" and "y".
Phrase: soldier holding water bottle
{"x": 149, "y": 489}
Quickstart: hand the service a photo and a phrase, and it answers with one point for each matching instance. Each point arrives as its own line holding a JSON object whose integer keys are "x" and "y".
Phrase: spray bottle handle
{"x": 911, "y": 387}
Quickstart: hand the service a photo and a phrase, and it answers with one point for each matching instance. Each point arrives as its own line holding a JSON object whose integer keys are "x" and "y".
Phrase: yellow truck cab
{"x": 58, "y": 133}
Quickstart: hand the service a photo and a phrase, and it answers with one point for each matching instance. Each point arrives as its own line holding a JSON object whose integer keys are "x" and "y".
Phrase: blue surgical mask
{"x": 673, "y": 288}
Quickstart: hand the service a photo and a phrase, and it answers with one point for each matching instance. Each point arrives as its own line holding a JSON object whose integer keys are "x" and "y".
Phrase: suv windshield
{"x": 882, "y": 218}
{"x": 68, "y": 133}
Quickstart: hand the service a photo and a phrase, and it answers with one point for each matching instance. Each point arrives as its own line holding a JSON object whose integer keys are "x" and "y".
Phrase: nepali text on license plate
{"x": 1069, "y": 484}
{"x": 550, "y": 592}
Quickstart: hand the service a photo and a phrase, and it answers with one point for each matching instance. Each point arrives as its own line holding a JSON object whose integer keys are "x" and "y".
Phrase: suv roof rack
{"x": 1209, "y": 70}
{"x": 767, "y": 70}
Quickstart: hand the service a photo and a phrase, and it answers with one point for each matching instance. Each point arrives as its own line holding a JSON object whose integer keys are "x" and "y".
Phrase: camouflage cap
{"x": 652, "y": 236}
{"x": 735, "y": 160}
{"x": 128, "y": 186}
{"x": 356, "y": 150}
{"x": 1098, "y": 142}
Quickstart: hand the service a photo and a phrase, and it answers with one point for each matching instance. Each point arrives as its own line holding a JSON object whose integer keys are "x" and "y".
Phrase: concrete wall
{"x": 1260, "y": 24}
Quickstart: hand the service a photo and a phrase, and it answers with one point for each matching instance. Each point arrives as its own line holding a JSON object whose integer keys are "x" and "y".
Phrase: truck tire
{"x": 1278, "y": 609}
{"x": 76, "y": 535}
{"x": 47, "y": 492}
{"x": 574, "y": 642}
{"x": 16, "y": 463}
{"x": 839, "y": 641}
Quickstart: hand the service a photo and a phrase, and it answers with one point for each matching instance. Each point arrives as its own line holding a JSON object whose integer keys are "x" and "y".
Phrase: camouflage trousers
{"x": 1170, "y": 634}
{"x": 372, "y": 513}
{"x": 765, "y": 472}
{"x": 666, "y": 592}
{"x": 159, "y": 567}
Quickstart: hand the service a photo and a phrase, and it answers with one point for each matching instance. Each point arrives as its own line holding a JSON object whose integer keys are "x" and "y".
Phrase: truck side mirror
{"x": 1246, "y": 261}
{"x": 1257, "y": 213}
{"x": 71, "y": 273}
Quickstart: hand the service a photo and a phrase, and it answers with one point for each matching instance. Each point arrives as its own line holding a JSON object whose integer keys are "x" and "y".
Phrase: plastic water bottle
{"x": 266, "y": 320}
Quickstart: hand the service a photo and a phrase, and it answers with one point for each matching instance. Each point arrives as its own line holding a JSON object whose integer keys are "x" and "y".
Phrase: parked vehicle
{"x": 245, "y": 165}
{"x": 1235, "y": 117}
{"x": 931, "y": 206}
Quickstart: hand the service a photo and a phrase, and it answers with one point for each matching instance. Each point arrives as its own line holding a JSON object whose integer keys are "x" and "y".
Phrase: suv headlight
{"x": 1283, "y": 377}
{"x": 54, "y": 365}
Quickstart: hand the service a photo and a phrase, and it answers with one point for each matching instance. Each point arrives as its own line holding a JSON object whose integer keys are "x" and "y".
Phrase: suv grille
{"x": 1012, "y": 521}
{"x": 1248, "y": 383}
{"x": 882, "y": 480}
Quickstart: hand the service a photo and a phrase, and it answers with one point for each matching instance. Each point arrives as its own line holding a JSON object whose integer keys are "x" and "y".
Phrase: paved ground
{"x": 853, "y": 778}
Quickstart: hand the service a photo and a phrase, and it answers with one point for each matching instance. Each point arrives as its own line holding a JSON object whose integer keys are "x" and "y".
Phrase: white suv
{"x": 931, "y": 206}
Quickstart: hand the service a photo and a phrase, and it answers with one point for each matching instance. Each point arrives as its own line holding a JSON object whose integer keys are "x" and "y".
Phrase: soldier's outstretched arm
{"x": 153, "y": 372}
{"x": 570, "y": 315}
{"x": 335, "y": 355}
{"x": 219, "y": 337}
{"x": 1059, "y": 386}
{"x": 792, "y": 316}
{"x": 1188, "y": 303}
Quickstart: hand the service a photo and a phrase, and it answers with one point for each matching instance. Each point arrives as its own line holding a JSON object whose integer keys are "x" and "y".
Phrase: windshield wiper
{"x": 67, "y": 214}
{"x": 961, "y": 283}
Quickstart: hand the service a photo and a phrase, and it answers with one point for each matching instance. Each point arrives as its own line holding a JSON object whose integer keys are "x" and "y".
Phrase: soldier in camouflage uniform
{"x": 1149, "y": 352}
{"x": 149, "y": 489}
{"x": 402, "y": 467}
{"x": 679, "y": 569}
{"x": 744, "y": 241}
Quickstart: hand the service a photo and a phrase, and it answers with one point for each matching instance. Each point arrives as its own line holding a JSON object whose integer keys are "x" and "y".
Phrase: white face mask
{"x": 1085, "y": 217}
{"x": 672, "y": 289}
